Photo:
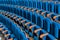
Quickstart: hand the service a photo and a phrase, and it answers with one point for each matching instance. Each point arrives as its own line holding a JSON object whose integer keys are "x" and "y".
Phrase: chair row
{"x": 32, "y": 29}
{"x": 45, "y": 5}
{"x": 7, "y": 33}
{"x": 16, "y": 10}
{"x": 13, "y": 27}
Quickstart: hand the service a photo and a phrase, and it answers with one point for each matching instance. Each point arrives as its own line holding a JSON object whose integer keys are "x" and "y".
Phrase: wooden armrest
{"x": 23, "y": 21}
{"x": 15, "y": 17}
{"x": 10, "y": 39}
{"x": 32, "y": 26}
{"x": 6, "y": 35}
{"x": 37, "y": 11}
{"x": 32, "y": 10}
{"x": 4, "y": 31}
{"x": 19, "y": 19}
{"x": 1, "y": 29}
{"x": 54, "y": 17}
{"x": 35, "y": 31}
{"x": 27, "y": 23}
{"x": 48, "y": 15}
{"x": 42, "y": 35}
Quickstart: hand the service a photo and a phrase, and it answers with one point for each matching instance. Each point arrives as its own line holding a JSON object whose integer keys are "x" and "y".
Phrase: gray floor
{"x": 2, "y": 38}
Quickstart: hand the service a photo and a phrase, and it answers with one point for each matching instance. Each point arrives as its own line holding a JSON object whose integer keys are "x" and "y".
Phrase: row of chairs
{"x": 30, "y": 28}
{"x": 13, "y": 27}
{"x": 14, "y": 9}
{"x": 46, "y": 20}
{"x": 45, "y": 5}
{"x": 7, "y": 33}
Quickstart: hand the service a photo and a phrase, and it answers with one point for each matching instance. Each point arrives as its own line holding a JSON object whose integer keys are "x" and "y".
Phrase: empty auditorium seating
{"x": 30, "y": 19}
